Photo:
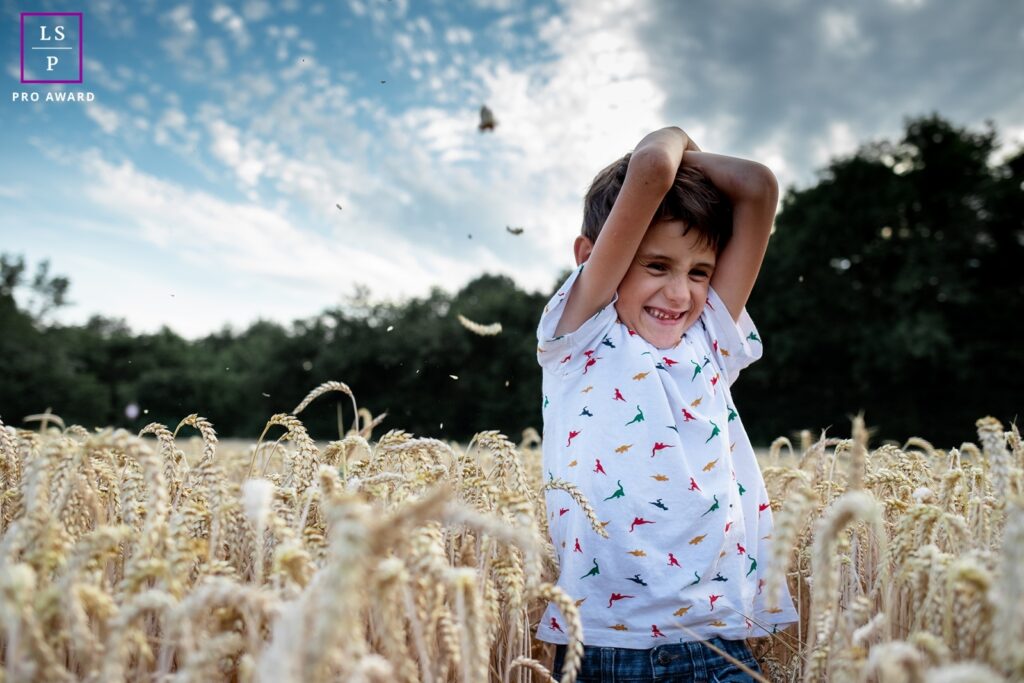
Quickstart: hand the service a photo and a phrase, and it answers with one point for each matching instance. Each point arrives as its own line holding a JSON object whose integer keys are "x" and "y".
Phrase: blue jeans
{"x": 670, "y": 663}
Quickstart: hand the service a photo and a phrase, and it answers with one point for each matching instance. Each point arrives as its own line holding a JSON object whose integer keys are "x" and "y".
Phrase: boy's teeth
{"x": 663, "y": 316}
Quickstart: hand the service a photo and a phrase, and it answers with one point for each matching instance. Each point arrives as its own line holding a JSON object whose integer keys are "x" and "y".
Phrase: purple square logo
{"x": 51, "y": 47}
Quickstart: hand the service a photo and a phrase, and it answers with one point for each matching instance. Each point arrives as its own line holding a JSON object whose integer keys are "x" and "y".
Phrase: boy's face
{"x": 664, "y": 291}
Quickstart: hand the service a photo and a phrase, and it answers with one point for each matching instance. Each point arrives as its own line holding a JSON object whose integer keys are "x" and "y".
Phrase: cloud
{"x": 841, "y": 33}
{"x": 813, "y": 80}
{"x": 246, "y": 240}
{"x": 564, "y": 118}
{"x": 98, "y": 74}
{"x": 183, "y": 32}
{"x": 107, "y": 119}
{"x": 172, "y": 130}
{"x": 255, "y": 10}
{"x": 838, "y": 140}
{"x": 216, "y": 56}
{"x": 423, "y": 24}
{"x": 115, "y": 19}
{"x": 138, "y": 101}
{"x": 283, "y": 37}
{"x": 12, "y": 191}
{"x": 497, "y": 5}
{"x": 247, "y": 162}
{"x": 458, "y": 35}
{"x": 263, "y": 156}
{"x": 233, "y": 23}
{"x": 561, "y": 119}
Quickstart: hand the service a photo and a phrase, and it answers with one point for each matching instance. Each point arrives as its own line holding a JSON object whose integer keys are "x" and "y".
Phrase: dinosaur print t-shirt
{"x": 653, "y": 439}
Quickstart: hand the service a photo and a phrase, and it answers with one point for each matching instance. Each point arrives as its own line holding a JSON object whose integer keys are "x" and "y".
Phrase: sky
{"x": 200, "y": 187}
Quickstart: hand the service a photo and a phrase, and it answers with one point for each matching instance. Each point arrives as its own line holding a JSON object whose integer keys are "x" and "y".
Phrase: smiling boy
{"x": 639, "y": 348}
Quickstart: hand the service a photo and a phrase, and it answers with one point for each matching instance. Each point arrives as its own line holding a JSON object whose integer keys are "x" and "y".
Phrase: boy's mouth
{"x": 663, "y": 315}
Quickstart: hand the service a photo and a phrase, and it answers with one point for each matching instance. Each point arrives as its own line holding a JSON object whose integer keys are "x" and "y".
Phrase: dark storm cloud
{"x": 796, "y": 67}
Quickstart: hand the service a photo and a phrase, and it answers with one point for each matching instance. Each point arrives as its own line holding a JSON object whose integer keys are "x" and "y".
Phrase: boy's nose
{"x": 677, "y": 292}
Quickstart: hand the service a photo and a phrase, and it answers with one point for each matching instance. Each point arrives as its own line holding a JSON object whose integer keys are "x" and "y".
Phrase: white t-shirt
{"x": 654, "y": 441}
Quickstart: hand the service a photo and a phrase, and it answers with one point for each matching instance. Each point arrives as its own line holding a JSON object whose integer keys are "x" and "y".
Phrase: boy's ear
{"x": 582, "y": 248}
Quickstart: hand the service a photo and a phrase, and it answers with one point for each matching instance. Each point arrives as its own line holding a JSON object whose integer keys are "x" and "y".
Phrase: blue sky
{"x": 199, "y": 187}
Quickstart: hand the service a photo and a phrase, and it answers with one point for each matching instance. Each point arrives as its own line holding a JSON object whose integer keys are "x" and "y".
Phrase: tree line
{"x": 892, "y": 285}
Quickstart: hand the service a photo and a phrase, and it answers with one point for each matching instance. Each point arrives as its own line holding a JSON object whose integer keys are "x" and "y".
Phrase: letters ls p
{"x": 58, "y": 31}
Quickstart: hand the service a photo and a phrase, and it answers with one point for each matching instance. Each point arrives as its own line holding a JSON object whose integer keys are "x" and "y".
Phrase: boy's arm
{"x": 754, "y": 193}
{"x": 649, "y": 176}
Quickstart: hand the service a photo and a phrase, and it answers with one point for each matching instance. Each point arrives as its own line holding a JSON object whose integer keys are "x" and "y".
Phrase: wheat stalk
{"x": 124, "y": 558}
{"x": 476, "y": 328}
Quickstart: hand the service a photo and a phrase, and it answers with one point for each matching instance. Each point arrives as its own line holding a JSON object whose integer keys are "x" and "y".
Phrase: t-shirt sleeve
{"x": 564, "y": 353}
{"x": 736, "y": 344}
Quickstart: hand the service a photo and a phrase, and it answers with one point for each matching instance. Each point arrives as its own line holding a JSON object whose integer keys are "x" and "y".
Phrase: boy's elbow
{"x": 763, "y": 184}
{"x": 655, "y": 165}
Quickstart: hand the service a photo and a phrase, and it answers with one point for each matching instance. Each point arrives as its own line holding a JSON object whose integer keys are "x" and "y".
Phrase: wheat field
{"x": 141, "y": 558}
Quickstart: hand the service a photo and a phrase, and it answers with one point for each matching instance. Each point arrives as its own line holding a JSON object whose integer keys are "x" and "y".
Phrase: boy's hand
{"x": 754, "y": 193}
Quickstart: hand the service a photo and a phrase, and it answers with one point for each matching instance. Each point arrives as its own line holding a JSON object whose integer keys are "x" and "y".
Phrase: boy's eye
{"x": 699, "y": 273}
{"x": 657, "y": 266}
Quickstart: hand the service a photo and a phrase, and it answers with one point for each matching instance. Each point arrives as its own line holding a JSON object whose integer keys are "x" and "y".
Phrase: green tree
{"x": 44, "y": 293}
{"x": 34, "y": 374}
{"x": 890, "y": 286}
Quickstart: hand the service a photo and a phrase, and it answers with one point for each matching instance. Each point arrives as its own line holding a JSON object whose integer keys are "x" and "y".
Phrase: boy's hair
{"x": 692, "y": 199}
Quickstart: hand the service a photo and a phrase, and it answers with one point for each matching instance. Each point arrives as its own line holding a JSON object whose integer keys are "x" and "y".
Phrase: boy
{"x": 639, "y": 348}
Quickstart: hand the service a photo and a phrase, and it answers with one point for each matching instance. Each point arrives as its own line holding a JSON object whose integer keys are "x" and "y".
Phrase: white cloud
{"x": 94, "y": 70}
{"x": 1011, "y": 140}
{"x": 284, "y": 36}
{"x": 400, "y": 7}
{"x": 837, "y": 141}
{"x": 173, "y": 131}
{"x": 497, "y": 5}
{"x": 233, "y": 23}
{"x": 458, "y": 35}
{"x": 571, "y": 92}
{"x": 254, "y": 10}
{"x": 405, "y": 42}
{"x": 138, "y": 101}
{"x": 174, "y": 119}
{"x": 181, "y": 19}
{"x": 842, "y": 34}
{"x": 243, "y": 240}
{"x": 107, "y": 119}
{"x": 217, "y": 58}
{"x": 179, "y": 43}
{"x": 559, "y": 123}
{"x": 773, "y": 154}
{"x": 423, "y": 25}
{"x": 416, "y": 186}
{"x": 247, "y": 161}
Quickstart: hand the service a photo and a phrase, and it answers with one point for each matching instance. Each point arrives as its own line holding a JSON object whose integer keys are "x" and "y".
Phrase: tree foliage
{"x": 891, "y": 286}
